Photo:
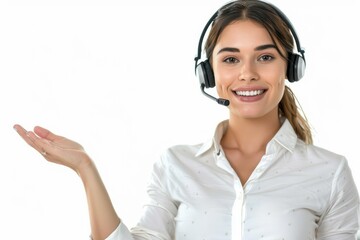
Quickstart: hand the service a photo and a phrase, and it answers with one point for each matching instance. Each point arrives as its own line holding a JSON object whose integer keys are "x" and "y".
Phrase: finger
{"x": 45, "y": 133}
{"x": 43, "y": 146}
{"x": 19, "y": 128}
{"x": 31, "y": 139}
{"x": 24, "y": 135}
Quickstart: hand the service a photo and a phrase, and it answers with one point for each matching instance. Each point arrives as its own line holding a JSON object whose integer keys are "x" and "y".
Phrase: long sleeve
{"x": 157, "y": 221}
{"x": 341, "y": 220}
{"x": 121, "y": 232}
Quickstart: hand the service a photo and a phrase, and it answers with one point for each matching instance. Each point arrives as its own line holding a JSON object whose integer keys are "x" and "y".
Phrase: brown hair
{"x": 267, "y": 16}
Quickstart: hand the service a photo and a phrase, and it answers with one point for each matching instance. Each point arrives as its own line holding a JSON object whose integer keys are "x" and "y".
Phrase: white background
{"x": 118, "y": 77}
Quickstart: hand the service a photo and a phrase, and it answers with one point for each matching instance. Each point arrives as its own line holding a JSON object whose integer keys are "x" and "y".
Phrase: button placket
{"x": 237, "y": 211}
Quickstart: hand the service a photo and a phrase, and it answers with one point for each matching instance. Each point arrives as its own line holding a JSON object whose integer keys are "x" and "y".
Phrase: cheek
{"x": 277, "y": 81}
{"x": 281, "y": 76}
{"x": 223, "y": 80}
{"x": 281, "y": 83}
{"x": 222, "y": 76}
{"x": 281, "y": 89}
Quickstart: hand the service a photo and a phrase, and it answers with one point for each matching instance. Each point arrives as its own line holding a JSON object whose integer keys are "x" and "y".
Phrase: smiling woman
{"x": 99, "y": 85}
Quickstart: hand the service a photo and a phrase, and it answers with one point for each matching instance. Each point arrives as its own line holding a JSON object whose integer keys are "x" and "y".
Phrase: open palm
{"x": 54, "y": 148}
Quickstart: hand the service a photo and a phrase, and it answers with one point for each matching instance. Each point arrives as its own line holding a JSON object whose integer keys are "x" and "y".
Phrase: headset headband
{"x": 277, "y": 10}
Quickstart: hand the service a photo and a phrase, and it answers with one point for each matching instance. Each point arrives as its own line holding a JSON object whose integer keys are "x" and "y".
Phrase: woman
{"x": 259, "y": 177}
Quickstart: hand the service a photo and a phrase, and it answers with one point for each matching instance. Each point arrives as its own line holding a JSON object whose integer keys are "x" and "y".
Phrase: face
{"x": 248, "y": 70}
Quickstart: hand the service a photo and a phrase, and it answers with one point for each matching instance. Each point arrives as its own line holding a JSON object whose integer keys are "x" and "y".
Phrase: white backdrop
{"x": 119, "y": 79}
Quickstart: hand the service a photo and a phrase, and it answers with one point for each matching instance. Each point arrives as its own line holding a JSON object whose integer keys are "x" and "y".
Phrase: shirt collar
{"x": 285, "y": 138}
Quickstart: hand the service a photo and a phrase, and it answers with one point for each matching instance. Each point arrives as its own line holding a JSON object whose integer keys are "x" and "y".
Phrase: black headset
{"x": 296, "y": 61}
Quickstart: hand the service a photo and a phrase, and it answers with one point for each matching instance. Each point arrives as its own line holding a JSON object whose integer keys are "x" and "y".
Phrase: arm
{"x": 340, "y": 221}
{"x": 103, "y": 218}
{"x": 57, "y": 149}
{"x": 159, "y": 212}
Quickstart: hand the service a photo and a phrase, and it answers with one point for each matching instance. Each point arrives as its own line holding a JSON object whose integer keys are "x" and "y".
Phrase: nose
{"x": 247, "y": 71}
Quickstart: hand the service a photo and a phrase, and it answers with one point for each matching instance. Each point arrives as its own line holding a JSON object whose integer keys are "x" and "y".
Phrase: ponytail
{"x": 289, "y": 109}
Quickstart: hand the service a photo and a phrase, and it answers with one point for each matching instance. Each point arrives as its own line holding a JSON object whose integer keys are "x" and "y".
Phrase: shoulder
{"x": 316, "y": 163}
{"x": 318, "y": 154}
{"x": 186, "y": 160}
{"x": 180, "y": 153}
{"x": 326, "y": 165}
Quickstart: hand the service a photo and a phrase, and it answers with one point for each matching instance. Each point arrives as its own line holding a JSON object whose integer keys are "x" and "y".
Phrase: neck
{"x": 250, "y": 136}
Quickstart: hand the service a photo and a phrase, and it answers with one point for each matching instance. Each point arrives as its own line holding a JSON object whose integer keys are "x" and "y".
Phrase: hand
{"x": 54, "y": 148}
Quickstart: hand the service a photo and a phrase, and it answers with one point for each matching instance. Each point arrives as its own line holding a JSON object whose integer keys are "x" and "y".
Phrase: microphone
{"x": 220, "y": 101}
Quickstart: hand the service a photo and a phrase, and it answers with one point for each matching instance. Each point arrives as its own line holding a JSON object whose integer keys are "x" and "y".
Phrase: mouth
{"x": 250, "y": 93}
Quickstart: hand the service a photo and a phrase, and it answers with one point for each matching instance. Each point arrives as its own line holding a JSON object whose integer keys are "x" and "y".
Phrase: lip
{"x": 249, "y": 88}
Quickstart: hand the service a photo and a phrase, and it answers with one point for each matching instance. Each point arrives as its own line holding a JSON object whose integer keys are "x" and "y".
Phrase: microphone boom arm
{"x": 220, "y": 101}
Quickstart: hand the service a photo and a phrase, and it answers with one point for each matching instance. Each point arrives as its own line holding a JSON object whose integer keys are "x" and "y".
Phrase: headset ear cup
{"x": 290, "y": 68}
{"x": 210, "y": 79}
{"x": 295, "y": 68}
{"x": 205, "y": 74}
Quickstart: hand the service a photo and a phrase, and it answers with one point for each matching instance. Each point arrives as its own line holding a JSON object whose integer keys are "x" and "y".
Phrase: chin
{"x": 252, "y": 115}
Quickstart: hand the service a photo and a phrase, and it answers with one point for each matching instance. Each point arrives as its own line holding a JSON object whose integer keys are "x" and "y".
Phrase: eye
{"x": 231, "y": 60}
{"x": 266, "y": 58}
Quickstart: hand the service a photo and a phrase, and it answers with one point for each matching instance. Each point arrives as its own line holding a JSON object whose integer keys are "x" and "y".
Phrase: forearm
{"x": 63, "y": 151}
{"x": 103, "y": 218}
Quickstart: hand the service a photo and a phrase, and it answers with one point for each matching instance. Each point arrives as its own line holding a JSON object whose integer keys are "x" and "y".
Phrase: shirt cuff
{"x": 121, "y": 232}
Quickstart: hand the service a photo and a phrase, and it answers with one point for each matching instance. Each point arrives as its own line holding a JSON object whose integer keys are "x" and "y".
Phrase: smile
{"x": 251, "y": 93}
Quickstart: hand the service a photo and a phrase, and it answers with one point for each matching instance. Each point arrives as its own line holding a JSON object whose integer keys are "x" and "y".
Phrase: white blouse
{"x": 297, "y": 192}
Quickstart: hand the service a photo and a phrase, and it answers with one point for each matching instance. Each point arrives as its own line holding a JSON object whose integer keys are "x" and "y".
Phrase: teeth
{"x": 249, "y": 93}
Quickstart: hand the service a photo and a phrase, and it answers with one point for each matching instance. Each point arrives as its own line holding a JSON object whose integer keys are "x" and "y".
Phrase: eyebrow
{"x": 266, "y": 46}
{"x": 258, "y": 48}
